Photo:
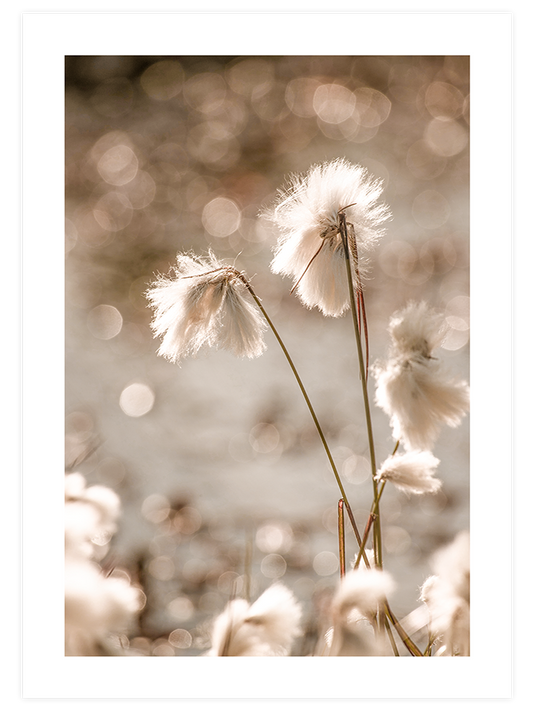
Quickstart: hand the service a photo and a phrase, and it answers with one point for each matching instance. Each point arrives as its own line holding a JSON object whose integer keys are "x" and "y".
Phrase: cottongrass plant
{"x": 447, "y": 596}
{"x": 329, "y": 221}
{"x": 310, "y": 248}
{"x": 354, "y": 610}
{"x": 266, "y": 628}
{"x": 411, "y": 472}
{"x": 412, "y": 386}
{"x": 205, "y": 303}
{"x": 99, "y": 608}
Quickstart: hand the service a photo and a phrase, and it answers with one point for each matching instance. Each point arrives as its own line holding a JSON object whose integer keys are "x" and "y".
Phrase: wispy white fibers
{"x": 411, "y": 472}
{"x": 91, "y": 515}
{"x": 412, "y": 387}
{"x": 447, "y": 595}
{"x": 205, "y": 303}
{"x": 310, "y": 247}
{"x": 97, "y": 607}
{"x": 353, "y": 609}
{"x": 268, "y": 627}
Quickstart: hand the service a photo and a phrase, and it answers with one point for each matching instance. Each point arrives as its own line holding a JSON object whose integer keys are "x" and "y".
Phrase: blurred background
{"x": 224, "y": 484}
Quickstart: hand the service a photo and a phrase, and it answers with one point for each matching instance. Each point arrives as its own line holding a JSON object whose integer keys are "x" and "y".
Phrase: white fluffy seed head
{"x": 412, "y": 387}
{"x": 268, "y": 627}
{"x": 307, "y": 215}
{"x": 411, "y": 472}
{"x": 417, "y": 330}
{"x": 96, "y": 606}
{"x": 353, "y": 610}
{"x": 363, "y": 589}
{"x": 205, "y": 303}
{"x": 447, "y": 596}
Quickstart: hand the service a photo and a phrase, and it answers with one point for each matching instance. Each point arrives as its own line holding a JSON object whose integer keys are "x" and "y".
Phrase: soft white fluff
{"x": 96, "y": 606}
{"x": 364, "y": 589}
{"x": 268, "y": 627}
{"x": 91, "y": 514}
{"x": 310, "y": 248}
{"x": 411, "y": 472}
{"x": 412, "y": 387}
{"x": 205, "y": 304}
{"x": 353, "y": 611}
{"x": 447, "y": 595}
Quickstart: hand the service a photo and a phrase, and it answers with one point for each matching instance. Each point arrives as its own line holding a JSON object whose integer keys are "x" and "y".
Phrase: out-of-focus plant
{"x": 447, "y": 596}
{"x": 267, "y": 628}
{"x": 101, "y": 606}
{"x": 329, "y": 220}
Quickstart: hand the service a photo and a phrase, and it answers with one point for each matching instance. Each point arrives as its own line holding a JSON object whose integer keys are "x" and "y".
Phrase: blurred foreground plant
{"x": 266, "y": 628}
{"x": 99, "y": 607}
{"x": 329, "y": 221}
{"x": 447, "y": 596}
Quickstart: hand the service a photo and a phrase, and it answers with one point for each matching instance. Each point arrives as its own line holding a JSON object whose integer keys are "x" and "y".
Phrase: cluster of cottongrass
{"x": 329, "y": 222}
{"x": 100, "y": 606}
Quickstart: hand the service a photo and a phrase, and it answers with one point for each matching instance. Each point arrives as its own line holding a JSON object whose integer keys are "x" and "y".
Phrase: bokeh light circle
{"x": 104, "y": 322}
{"x": 273, "y": 566}
{"x": 221, "y": 217}
{"x": 163, "y": 80}
{"x": 299, "y": 95}
{"x": 205, "y": 92}
{"x": 423, "y": 162}
{"x": 333, "y": 103}
{"x": 113, "y": 211}
{"x": 250, "y": 75}
{"x": 136, "y": 399}
{"x": 155, "y": 508}
{"x": 458, "y": 321}
{"x": 397, "y": 258}
{"x": 162, "y": 568}
{"x": 446, "y": 138}
{"x": 372, "y": 107}
{"x": 181, "y": 639}
{"x": 430, "y": 209}
{"x": 356, "y": 469}
{"x": 181, "y": 608}
{"x": 264, "y": 437}
{"x": 118, "y": 165}
{"x": 325, "y": 563}
{"x": 274, "y": 537}
{"x": 444, "y": 101}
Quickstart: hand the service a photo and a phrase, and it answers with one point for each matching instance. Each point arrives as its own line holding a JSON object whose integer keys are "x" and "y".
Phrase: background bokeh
{"x": 216, "y": 461}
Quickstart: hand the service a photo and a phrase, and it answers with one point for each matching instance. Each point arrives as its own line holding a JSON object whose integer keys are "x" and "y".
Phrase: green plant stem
{"x": 342, "y": 542}
{"x": 413, "y": 649}
{"x": 362, "y": 369}
{"x": 372, "y": 515}
{"x": 371, "y": 519}
{"x": 311, "y": 410}
{"x": 408, "y": 642}
{"x": 391, "y": 638}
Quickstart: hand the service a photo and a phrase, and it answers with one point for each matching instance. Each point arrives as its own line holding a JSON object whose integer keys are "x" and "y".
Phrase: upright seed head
{"x": 310, "y": 247}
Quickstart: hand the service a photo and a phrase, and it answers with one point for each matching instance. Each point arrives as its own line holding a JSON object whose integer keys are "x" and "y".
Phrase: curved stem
{"x": 413, "y": 649}
{"x": 311, "y": 410}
